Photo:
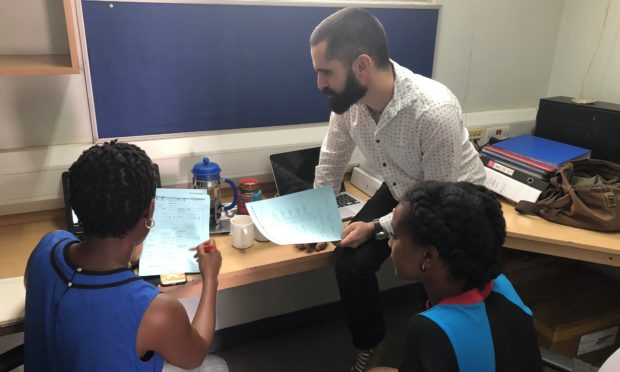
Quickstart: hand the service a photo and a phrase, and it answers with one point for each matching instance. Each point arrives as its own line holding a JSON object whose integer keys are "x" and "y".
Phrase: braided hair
{"x": 110, "y": 188}
{"x": 463, "y": 221}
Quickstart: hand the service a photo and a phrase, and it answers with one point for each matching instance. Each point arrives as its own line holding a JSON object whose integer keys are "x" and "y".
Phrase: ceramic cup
{"x": 259, "y": 235}
{"x": 242, "y": 231}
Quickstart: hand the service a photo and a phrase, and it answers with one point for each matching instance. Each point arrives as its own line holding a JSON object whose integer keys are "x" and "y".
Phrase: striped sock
{"x": 361, "y": 360}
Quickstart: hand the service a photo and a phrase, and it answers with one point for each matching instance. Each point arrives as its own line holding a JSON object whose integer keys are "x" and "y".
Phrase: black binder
{"x": 522, "y": 175}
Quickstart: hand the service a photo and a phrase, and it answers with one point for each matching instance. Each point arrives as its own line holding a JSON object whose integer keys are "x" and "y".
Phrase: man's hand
{"x": 356, "y": 234}
{"x": 311, "y": 247}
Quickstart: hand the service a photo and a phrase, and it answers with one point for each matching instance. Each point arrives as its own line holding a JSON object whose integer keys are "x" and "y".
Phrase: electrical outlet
{"x": 476, "y": 133}
{"x": 498, "y": 132}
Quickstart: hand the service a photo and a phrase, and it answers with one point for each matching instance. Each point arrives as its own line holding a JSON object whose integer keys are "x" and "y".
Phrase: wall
{"x": 583, "y": 28}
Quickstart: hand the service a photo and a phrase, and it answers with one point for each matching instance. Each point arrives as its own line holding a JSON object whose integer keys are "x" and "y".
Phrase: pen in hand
{"x": 209, "y": 246}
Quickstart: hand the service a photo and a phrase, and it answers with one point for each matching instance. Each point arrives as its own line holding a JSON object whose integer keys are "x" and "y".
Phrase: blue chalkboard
{"x": 159, "y": 68}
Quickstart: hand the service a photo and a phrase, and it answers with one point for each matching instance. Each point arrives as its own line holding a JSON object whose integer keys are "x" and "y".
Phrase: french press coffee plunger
{"x": 206, "y": 175}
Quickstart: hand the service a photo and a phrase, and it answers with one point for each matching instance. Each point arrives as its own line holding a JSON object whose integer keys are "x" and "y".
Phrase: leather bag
{"x": 583, "y": 193}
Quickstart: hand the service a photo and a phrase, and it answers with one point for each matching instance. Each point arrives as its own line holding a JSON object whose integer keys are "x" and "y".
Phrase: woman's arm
{"x": 166, "y": 329}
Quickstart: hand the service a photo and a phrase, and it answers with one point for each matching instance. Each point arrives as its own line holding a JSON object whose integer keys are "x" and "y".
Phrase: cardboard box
{"x": 583, "y": 325}
{"x": 576, "y": 309}
{"x": 555, "y": 280}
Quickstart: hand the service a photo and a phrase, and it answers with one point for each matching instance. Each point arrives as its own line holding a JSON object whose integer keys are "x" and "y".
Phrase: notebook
{"x": 71, "y": 219}
{"x": 293, "y": 171}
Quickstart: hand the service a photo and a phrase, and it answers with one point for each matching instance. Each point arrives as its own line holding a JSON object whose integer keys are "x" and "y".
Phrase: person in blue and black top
{"x": 448, "y": 236}
{"x": 85, "y": 308}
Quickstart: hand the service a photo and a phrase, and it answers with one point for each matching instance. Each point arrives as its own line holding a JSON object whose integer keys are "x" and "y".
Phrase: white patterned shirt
{"x": 420, "y": 136}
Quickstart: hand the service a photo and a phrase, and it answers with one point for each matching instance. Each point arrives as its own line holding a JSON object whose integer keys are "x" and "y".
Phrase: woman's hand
{"x": 209, "y": 260}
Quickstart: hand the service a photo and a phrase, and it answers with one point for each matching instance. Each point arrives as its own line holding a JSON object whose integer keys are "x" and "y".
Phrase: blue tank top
{"x": 82, "y": 321}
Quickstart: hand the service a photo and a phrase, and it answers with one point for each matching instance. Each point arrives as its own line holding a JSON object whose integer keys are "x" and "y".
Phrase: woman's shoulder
{"x": 47, "y": 244}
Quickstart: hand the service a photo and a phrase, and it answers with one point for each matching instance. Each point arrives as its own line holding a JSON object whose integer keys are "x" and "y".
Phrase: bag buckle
{"x": 610, "y": 199}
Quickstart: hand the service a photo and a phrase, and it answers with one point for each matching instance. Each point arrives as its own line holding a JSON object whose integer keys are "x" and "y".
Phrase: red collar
{"x": 470, "y": 297}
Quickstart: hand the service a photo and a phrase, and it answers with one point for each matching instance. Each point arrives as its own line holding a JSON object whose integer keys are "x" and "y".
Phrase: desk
{"x": 20, "y": 233}
{"x": 535, "y": 234}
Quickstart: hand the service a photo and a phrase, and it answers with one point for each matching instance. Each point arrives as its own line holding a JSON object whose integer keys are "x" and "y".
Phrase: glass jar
{"x": 249, "y": 191}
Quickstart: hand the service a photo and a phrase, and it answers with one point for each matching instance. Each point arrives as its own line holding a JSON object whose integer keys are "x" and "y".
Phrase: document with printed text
{"x": 181, "y": 222}
{"x": 304, "y": 217}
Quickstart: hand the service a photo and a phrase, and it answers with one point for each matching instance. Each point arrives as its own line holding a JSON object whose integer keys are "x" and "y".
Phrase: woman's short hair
{"x": 351, "y": 32}
{"x": 463, "y": 221}
{"x": 110, "y": 187}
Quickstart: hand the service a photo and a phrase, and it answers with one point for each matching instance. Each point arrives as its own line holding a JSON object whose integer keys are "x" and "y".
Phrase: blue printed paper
{"x": 304, "y": 217}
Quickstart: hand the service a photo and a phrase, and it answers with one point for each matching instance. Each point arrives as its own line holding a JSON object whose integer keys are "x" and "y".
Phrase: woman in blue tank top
{"x": 85, "y": 308}
{"x": 448, "y": 236}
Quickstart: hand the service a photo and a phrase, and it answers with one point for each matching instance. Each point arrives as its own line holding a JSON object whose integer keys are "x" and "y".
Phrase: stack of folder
{"x": 519, "y": 168}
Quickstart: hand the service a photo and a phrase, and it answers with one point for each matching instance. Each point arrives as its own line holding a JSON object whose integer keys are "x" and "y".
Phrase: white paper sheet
{"x": 13, "y": 294}
{"x": 304, "y": 217}
{"x": 181, "y": 222}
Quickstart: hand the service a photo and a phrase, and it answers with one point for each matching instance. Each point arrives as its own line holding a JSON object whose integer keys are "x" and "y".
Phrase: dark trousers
{"x": 356, "y": 275}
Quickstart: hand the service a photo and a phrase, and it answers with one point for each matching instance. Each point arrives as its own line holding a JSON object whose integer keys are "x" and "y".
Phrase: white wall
{"x": 583, "y": 28}
{"x": 497, "y": 54}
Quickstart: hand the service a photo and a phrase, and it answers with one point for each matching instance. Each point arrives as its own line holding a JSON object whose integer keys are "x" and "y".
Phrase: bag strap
{"x": 527, "y": 207}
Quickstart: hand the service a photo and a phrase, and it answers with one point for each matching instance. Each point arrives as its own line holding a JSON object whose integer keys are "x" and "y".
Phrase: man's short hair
{"x": 351, "y": 32}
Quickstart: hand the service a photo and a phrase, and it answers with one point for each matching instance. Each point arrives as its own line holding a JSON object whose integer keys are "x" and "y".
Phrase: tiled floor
{"x": 323, "y": 346}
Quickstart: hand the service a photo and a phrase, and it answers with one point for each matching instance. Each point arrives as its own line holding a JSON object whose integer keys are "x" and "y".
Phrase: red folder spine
{"x": 522, "y": 159}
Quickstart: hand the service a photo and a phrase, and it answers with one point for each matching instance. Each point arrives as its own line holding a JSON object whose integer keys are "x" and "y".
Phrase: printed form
{"x": 181, "y": 222}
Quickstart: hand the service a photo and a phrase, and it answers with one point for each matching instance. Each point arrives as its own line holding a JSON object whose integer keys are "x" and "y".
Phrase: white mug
{"x": 259, "y": 235}
{"x": 242, "y": 231}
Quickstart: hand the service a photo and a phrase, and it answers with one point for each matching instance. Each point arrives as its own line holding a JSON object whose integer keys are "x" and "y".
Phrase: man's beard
{"x": 353, "y": 91}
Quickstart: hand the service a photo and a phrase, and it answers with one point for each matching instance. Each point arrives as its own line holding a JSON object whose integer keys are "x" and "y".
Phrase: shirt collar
{"x": 473, "y": 296}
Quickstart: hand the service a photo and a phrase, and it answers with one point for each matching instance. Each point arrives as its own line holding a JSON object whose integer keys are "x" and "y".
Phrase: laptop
{"x": 293, "y": 171}
{"x": 71, "y": 219}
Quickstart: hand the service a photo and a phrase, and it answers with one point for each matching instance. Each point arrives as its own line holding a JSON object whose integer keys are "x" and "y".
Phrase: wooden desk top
{"x": 535, "y": 234}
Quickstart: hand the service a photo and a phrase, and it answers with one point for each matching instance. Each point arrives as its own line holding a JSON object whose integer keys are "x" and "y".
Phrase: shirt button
{"x": 69, "y": 284}
{"x": 377, "y": 141}
{"x": 79, "y": 269}
{"x": 393, "y": 183}
{"x": 384, "y": 164}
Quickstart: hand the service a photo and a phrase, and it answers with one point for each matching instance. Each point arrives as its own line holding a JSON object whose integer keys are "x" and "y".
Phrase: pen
{"x": 209, "y": 246}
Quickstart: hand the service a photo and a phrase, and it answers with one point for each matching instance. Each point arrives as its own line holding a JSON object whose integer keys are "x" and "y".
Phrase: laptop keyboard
{"x": 344, "y": 199}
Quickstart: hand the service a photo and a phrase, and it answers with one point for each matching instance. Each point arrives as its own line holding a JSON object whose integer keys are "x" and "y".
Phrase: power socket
{"x": 498, "y": 132}
{"x": 476, "y": 133}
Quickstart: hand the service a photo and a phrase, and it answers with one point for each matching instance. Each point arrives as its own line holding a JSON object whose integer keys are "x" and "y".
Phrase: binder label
{"x": 500, "y": 167}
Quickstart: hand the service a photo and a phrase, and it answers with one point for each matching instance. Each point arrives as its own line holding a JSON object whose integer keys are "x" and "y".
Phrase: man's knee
{"x": 363, "y": 261}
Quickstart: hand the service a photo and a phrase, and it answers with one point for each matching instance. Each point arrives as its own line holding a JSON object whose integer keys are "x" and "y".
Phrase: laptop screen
{"x": 293, "y": 171}
{"x": 71, "y": 219}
